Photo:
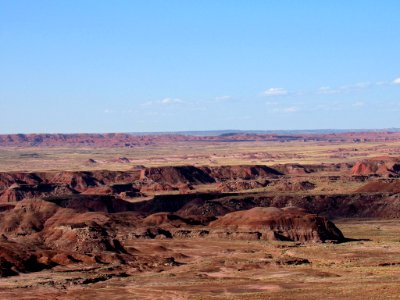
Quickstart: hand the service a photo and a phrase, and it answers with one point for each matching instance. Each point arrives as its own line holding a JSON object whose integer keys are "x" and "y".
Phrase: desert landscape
{"x": 243, "y": 216}
{"x": 200, "y": 150}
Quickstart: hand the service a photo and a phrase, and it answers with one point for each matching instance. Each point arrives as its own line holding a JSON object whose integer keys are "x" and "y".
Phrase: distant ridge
{"x": 142, "y": 139}
{"x": 238, "y": 131}
{"x": 218, "y": 132}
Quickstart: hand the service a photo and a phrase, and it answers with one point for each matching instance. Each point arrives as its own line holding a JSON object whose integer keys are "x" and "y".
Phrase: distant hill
{"x": 142, "y": 139}
{"x": 234, "y": 131}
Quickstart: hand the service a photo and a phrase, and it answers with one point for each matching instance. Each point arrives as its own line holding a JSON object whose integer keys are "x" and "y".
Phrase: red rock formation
{"x": 293, "y": 185}
{"x": 166, "y": 219}
{"x": 17, "y": 192}
{"x": 380, "y": 186}
{"x": 37, "y": 234}
{"x": 177, "y": 175}
{"x": 222, "y": 173}
{"x": 383, "y": 166}
{"x": 290, "y": 223}
{"x": 235, "y": 186}
{"x": 16, "y": 186}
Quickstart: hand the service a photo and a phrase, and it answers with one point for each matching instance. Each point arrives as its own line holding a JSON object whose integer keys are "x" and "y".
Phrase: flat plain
{"x": 189, "y": 153}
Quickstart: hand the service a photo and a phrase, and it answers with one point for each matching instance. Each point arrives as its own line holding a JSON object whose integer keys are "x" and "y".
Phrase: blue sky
{"x": 125, "y": 66}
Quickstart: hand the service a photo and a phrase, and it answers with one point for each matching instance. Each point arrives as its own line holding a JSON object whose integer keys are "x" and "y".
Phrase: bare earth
{"x": 179, "y": 220}
{"x": 367, "y": 269}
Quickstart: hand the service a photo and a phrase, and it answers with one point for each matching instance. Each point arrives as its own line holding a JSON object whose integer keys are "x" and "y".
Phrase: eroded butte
{"x": 266, "y": 217}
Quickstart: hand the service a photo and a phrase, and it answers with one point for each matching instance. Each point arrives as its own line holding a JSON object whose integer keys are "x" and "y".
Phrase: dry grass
{"x": 184, "y": 153}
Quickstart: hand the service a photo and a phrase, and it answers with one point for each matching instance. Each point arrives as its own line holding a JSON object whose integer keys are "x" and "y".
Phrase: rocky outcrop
{"x": 243, "y": 172}
{"x": 300, "y": 169}
{"x": 38, "y": 234}
{"x": 15, "y": 186}
{"x": 385, "y": 166}
{"x": 286, "y": 185}
{"x": 17, "y": 192}
{"x": 177, "y": 175}
{"x": 287, "y": 224}
{"x": 78, "y": 180}
{"x": 236, "y": 186}
{"x": 19, "y": 258}
{"x": 206, "y": 206}
{"x": 381, "y": 186}
{"x": 167, "y": 219}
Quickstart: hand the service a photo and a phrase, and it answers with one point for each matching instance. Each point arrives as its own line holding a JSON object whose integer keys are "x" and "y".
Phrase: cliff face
{"x": 383, "y": 166}
{"x": 38, "y": 234}
{"x": 15, "y": 186}
{"x": 291, "y": 224}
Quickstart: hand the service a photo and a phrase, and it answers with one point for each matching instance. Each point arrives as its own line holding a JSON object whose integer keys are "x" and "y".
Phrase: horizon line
{"x": 222, "y": 131}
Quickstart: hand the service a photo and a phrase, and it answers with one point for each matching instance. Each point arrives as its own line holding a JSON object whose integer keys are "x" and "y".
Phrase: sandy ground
{"x": 183, "y": 153}
{"x": 368, "y": 268}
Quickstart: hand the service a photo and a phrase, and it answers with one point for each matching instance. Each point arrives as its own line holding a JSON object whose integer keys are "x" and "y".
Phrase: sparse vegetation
{"x": 141, "y": 227}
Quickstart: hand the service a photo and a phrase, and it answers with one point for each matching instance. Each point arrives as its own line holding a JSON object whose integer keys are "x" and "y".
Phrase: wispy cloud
{"x": 397, "y": 81}
{"x": 358, "y": 104}
{"x": 223, "y": 98}
{"x": 285, "y": 109}
{"x": 169, "y": 101}
{"x": 275, "y": 92}
{"x": 360, "y": 85}
{"x": 290, "y": 109}
{"x": 164, "y": 101}
{"x": 327, "y": 90}
{"x": 346, "y": 88}
{"x": 331, "y": 106}
{"x": 148, "y": 103}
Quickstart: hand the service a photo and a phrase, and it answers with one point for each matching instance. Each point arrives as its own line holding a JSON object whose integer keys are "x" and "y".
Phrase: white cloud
{"x": 358, "y": 104}
{"x": 165, "y": 101}
{"x": 345, "y": 88}
{"x": 360, "y": 85}
{"x": 169, "y": 100}
{"x": 327, "y": 90}
{"x": 332, "y": 106}
{"x": 275, "y": 92}
{"x": 147, "y": 103}
{"x": 223, "y": 98}
{"x": 289, "y": 109}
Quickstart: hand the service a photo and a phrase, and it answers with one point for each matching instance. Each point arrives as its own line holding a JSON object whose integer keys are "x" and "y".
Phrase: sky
{"x": 156, "y": 65}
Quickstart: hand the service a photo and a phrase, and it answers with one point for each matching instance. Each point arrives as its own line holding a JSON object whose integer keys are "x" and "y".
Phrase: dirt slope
{"x": 291, "y": 223}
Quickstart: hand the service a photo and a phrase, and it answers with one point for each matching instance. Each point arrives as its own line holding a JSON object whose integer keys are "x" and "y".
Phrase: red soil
{"x": 290, "y": 223}
{"x": 383, "y": 166}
